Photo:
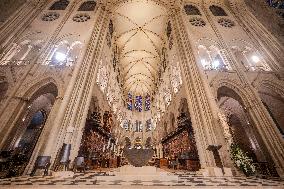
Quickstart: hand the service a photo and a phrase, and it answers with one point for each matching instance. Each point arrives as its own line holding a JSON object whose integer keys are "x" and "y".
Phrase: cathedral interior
{"x": 141, "y": 93}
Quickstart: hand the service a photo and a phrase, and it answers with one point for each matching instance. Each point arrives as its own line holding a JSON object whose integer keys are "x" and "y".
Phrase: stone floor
{"x": 186, "y": 180}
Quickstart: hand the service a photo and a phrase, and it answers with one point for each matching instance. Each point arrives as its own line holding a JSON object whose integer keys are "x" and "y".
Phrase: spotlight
{"x": 255, "y": 58}
{"x": 60, "y": 57}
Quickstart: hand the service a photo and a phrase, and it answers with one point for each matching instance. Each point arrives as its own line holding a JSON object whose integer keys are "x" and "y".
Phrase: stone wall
{"x": 268, "y": 17}
{"x": 8, "y": 7}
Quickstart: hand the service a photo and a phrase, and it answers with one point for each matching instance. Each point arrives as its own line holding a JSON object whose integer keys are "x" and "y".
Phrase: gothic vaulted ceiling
{"x": 140, "y": 30}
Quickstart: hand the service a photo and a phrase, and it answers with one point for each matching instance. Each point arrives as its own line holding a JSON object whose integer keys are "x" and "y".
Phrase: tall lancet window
{"x": 249, "y": 57}
{"x": 147, "y": 102}
{"x": 65, "y": 53}
{"x": 129, "y": 101}
{"x": 218, "y": 62}
{"x": 211, "y": 58}
{"x": 138, "y": 103}
{"x": 138, "y": 126}
{"x": 21, "y": 53}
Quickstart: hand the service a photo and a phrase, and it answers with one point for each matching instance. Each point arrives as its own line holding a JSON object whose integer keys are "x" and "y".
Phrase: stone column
{"x": 17, "y": 105}
{"x": 262, "y": 39}
{"x": 47, "y": 131}
{"x": 258, "y": 113}
{"x": 72, "y": 114}
{"x": 8, "y": 107}
{"x": 203, "y": 118}
{"x": 268, "y": 132}
{"x": 261, "y": 118}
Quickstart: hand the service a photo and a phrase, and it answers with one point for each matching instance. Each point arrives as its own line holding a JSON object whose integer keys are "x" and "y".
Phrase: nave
{"x": 137, "y": 93}
{"x": 103, "y": 179}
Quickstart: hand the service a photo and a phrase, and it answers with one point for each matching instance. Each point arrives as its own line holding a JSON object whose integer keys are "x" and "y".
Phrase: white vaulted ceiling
{"x": 140, "y": 30}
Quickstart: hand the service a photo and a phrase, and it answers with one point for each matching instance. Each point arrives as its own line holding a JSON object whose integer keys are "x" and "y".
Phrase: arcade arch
{"x": 242, "y": 128}
{"x": 23, "y": 137}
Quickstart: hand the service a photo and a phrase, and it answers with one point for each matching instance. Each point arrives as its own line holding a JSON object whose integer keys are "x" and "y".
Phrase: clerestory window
{"x": 59, "y": 5}
{"x": 191, "y": 10}
{"x": 217, "y": 11}
{"x": 88, "y": 6}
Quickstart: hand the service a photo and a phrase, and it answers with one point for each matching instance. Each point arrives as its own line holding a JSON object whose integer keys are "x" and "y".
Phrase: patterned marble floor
{"x": 186, "y": 180}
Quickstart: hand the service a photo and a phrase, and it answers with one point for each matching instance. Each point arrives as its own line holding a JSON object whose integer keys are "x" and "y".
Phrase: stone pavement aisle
{"x": 186, "y": 180}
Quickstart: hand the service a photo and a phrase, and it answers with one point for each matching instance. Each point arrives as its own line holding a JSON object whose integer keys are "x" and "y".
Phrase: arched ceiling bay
{"x": 140, "y": 35}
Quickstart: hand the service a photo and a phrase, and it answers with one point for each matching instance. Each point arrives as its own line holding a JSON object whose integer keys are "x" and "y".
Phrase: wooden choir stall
{"x": 98, "y": 145}
{"x": 179, "y": 147}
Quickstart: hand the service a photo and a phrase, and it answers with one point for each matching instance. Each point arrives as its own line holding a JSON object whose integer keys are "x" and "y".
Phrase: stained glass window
{"x": 129, "y": 101}
{"x": 138, "y": 126}
{"x": 147, "y": 102}
{"x": 138, "y": 103}
{"x": 278, "y": 5}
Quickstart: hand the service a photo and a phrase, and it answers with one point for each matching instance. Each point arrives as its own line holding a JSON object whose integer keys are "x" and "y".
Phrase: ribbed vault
{"x": 140, "y": 29}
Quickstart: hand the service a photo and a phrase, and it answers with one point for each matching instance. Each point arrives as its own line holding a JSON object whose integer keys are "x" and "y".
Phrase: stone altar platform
{"x": 145, "y": 173}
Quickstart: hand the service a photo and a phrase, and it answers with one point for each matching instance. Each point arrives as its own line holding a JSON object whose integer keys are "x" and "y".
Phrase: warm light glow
{"x": 216, "y": 63}
{"x": 255, "y": 58}
{"x": 60, "y": 56}
{"x": 203, "y": 62}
